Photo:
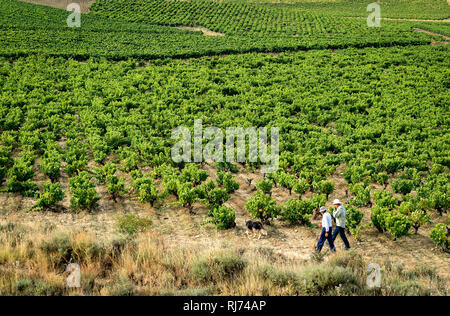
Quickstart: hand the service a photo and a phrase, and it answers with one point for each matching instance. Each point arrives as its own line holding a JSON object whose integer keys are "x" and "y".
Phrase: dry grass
{"x": 32, "y": 262}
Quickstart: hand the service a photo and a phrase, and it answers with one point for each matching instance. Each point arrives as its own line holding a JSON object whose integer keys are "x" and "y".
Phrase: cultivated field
{"x": 87, "y": 168}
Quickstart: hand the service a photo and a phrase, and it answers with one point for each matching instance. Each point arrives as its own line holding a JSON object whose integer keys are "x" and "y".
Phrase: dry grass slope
{"x": 33, "y": 261}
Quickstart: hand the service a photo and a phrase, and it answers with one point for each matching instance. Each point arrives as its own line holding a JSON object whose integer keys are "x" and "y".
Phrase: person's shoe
{"x": 347, "y": 248}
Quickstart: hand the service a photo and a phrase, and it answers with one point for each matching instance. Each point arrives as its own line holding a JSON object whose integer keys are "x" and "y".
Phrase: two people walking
{"x": 339, "y": 214}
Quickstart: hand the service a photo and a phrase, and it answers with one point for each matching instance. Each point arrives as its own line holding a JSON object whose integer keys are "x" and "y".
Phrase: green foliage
{"x": 187, "y": 196}
{"x": 362, "y": 195}
{"x": 227, "y": 181}
{"x": 132, "y": 224}
{"x": 408, "y": 206}
{"x": 5, "y": 161}
{"x": 226, "y": 167}
{"x": 356, "y": 232}
{"x": 51, "y": 161}
{"x": 402, "y": 186}
{"x": 320, "y": 280}
{"x": 192, "y": 173}
{"x": 301, "y": 187}
{"x": 114, "y": 29}
{"x": 130, "y": 160}
{"x": 114, "y": 137}
{"x": 326, "y": 187}
{"x": 51, "y": 194}
{"x": 99, "y": 148}
{"x": 397, "y": 224}
{"x": 382, "y": 178}
{"x": 51, "y": 165}
{"x": 147, "y": 190}
{"x": 219, "y": 267}
{"x": 318, "y": 200}
{"x": 224, "y": 217}
{"x": 76, "y": 156}
{"x": 353, "y": 218}
{"x": 103, "y": 172}
{"x": 441, "y": 236}
{"x": 216, "y": 197}
{"x": 265, "y": 186}
{"x": 378, "y": 217}
{"x": 387, "y": 217}
{"x": 115, "y": 186}
{"x": 33, "y": 287}
{"x": 297, "y": 211}
{"x": 21, "y": 175}
{"x": 384, "y": 199}
{"x": 418, "y": 218}
{"x": 440, "y": 201}
{"x": 262, "y": 206}
{"x": 84, "y": 196}
{"x": 288, "y": 181}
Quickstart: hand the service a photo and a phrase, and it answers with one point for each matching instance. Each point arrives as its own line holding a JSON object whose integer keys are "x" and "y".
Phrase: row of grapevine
{"x": 380, "y": 113}
{"x": 125, "y": 29}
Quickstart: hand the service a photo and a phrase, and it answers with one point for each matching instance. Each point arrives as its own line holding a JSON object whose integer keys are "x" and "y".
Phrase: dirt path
{"x": 204, "y": 30}
{"x": 62, "y": 4}
{"x": 447, "y": 39}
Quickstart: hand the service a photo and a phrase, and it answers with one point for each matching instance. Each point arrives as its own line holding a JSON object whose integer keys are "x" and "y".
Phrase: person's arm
{"x": 326, "y": 224}
{"x": 337, "y": 212}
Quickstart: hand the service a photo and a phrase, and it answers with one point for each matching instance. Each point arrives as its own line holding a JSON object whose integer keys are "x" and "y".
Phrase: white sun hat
{"x": 336, "y": 201}
{"x": 322, "y": 209}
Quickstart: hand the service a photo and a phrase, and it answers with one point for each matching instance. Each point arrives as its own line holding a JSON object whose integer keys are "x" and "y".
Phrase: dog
{"x": 255, "y": 227}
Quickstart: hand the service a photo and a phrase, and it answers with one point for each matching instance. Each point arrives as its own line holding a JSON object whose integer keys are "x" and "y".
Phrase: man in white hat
{"x": 326, "y": 230}
{"x": 339, "y": 214}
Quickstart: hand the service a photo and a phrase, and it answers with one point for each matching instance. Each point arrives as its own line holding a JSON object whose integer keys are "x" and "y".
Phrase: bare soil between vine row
{"x": 447, "y": 39}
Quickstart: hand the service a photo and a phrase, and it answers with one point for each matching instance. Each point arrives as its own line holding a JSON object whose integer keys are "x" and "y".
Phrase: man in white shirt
{"x": 326, "y": 231}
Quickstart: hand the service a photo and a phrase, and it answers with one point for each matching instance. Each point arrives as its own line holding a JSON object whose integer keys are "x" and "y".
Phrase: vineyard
{"x": 125, "y": 29}
{"x": 87, "y": 114}
{"x": 397, "y": 9}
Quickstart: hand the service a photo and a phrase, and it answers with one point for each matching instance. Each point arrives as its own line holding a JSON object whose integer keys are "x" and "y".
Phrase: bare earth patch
{"x": 204, "y": 30}
{"x": 447, "y": 39}
{"x": 62, "y": 4}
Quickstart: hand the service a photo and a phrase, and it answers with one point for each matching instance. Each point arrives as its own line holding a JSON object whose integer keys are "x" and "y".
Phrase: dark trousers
{"x": 341, "y": 231}
{"x": 322, "y": 240}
